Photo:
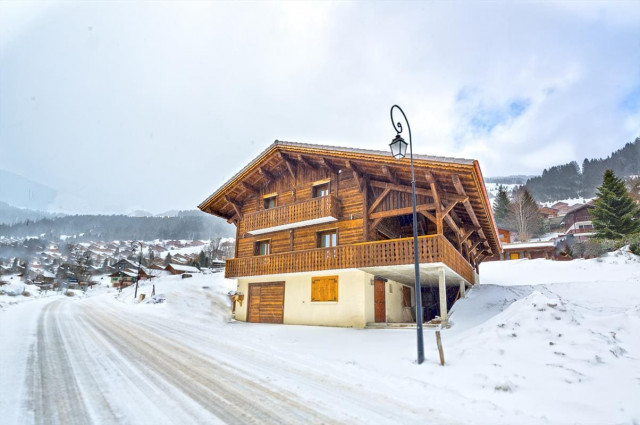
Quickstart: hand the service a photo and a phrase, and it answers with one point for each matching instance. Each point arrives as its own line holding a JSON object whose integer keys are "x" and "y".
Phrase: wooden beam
{"x": 328, "y": 165}
{"x": 289, "y": 164}
{"x": 356, "y": 173}
{"x": 270, "y": 177}
{"x": 379, "y": 200}
{"x": 402, "y": 211}
{"x": 375, "y": 223}
{"x": 434, "y": 193}
{"x": 237, "y": 206}
{"x": 365, "y": 212}
{"x": 233, "y": 219}
{"x": 468, "y": 233}
{"x": 306, "y": 162}
{"x": 250, "y": 188}
{"x": 469, "y": 208}
{"x": 390, "y": 174}
{"x": 429, "y": 216}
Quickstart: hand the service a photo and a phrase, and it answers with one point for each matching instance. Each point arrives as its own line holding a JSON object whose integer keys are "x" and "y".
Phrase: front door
{"x": 379, "y": 301}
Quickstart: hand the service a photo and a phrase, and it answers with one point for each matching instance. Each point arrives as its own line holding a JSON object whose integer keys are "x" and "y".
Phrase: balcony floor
{"x": 405, "y": 274}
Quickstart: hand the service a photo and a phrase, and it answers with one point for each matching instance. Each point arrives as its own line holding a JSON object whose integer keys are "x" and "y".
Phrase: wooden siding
{"x": 431, "y": 249}
{"x": 310, "y": 209}
{"x": 266, "y": 302}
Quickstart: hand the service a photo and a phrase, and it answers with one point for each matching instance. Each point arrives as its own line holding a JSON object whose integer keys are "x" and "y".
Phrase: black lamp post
{"x": 134, "y": 246}
{"x": 399, "y": 150}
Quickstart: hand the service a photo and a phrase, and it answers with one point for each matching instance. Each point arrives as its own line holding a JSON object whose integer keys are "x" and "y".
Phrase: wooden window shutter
{"x": 324, "y": 288}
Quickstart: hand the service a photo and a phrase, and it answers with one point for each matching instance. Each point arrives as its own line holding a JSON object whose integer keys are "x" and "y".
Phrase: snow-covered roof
{"x": 527, "y": 245}
{"x": 183, "y": 268}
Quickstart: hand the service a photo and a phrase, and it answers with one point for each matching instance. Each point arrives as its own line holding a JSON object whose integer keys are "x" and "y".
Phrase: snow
{"x": 538, "y": 342}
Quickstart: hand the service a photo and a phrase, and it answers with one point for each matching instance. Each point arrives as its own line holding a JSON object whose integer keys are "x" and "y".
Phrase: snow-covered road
{"x": 96, "y": 361}
{"x": 539, "y": 342}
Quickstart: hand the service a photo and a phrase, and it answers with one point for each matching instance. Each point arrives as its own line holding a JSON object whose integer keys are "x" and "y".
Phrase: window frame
{"x": 321, "y": 233}
{"x": 258, "y": 244}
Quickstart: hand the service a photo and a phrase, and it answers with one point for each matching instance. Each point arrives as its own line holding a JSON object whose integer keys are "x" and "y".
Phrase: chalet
{"x": 324, "y": 234}
{"x": 530, "y": 250}
{"x": 577, "y": 221}
{"x": 123, "y": 278}
{"x": 181, "y": 269}
{"x": 546, "y": 212}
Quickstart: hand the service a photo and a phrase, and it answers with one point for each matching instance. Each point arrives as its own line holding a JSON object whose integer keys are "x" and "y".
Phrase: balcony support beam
{"x": 467, "y": 205}
{"x": 402, "y": 211}
{"x": 442, "y": 291}
{"x": 237, "y": 206}
{"x": 289, "y": 164}
{"x": 379, "y": 199}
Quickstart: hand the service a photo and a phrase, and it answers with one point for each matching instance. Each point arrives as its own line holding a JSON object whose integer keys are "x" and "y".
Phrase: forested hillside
{"x": 571, "y": 181}
{"x": 186, "y": 225}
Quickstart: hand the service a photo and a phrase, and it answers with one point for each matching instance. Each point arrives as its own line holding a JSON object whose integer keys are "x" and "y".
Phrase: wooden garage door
{"x": 266, "y": 302}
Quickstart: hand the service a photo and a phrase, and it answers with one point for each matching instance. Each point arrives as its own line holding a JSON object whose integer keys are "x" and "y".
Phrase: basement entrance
{"x": 266, "y": 302}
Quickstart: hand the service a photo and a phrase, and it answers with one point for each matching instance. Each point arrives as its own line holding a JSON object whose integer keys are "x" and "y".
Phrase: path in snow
{"x": 97, "y": 361}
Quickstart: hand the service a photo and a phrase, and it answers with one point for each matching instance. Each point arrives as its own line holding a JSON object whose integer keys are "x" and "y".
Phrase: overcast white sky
{"x": 153, "y": 105}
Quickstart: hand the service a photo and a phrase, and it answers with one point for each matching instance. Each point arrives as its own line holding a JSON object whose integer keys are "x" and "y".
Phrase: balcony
{"x": 303, "y": 213}
{"x": 372, "y": 255}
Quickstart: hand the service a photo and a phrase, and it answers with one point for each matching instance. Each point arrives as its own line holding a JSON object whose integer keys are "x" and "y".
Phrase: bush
{"x": 69, "y": 294}
{"x": 26, "y": 294}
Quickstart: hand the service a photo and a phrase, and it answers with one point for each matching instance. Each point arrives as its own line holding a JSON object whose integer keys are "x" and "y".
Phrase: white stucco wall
{"x": 354, "y": 308}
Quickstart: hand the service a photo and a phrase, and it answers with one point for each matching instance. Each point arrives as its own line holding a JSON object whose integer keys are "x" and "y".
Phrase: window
{"x": 269, "y": 202}
{"x": 327, "y": 239}
{"x": 324, "y": 289}
{"x": 262, "y": 248}
{"x": 320, "y": 190}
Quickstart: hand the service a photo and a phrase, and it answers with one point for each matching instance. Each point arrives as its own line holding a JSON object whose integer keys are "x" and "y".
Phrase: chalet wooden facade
{"x": 324, "y": 234}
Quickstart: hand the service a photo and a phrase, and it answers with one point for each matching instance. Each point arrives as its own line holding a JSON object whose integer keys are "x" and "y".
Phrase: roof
{"x": 347, "y": 150}
{"x": 280, "y": 155}
{"x": 527, "y": 245}
{"x": 183, "y": 268}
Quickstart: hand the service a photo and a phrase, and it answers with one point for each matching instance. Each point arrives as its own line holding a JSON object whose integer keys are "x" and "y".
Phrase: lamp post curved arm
{"x": 398, "y": 150}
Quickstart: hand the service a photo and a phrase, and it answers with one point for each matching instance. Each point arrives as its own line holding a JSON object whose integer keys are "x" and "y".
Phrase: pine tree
{"x": 501, "y": 206}
{"x": 615, "y": 214}
{"x": 167, "y": 259}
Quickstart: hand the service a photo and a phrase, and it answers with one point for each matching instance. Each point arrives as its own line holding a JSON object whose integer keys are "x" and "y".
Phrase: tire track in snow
{"x": 225, "y": 393}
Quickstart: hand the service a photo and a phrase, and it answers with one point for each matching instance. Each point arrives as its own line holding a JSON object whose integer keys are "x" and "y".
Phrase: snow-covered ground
{"x": 538, "y": 342}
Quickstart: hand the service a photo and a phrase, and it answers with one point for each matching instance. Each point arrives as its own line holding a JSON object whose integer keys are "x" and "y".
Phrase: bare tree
{"x": 524, "y": 215}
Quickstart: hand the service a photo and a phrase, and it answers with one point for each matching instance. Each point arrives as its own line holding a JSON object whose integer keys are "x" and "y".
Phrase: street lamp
{"x": 399, "y": 150}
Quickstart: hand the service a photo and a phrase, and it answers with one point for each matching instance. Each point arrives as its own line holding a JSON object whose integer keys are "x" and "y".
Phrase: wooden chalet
{"x": 324, "y": 234}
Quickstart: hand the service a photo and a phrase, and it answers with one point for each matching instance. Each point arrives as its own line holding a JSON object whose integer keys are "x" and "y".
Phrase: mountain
{"x": 12, "y": 215}
{"x": 186, "y": 225}
{"x": 572, "y": 181}
{"x": 24, "y": 193}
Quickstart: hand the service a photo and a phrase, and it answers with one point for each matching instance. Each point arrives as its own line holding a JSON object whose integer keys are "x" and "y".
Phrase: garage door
{"x": 266, "y": 302}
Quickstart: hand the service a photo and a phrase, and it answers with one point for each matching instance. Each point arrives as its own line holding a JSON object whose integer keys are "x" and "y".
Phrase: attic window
{"x": 269, "y": 202}
{"x": 321, "y": 190}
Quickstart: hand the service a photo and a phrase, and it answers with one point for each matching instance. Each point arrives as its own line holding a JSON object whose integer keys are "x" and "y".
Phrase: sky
{"x": 121, "y": 106}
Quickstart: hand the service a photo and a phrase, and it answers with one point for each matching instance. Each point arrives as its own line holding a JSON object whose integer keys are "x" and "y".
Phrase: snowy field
{"x": 538, "y": 342}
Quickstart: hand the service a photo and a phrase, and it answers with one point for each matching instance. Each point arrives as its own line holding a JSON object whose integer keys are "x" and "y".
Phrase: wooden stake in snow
{"x": 439, "y": 342}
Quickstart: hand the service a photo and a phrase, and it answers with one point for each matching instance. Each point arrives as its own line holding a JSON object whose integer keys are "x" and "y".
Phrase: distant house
{"x": 561, "y": 207}
{"x": 181, "y": 269}
{"x": 530, "y": 250}
{"x": 123, "y": 278}
{"x": 577, "y": 221}
{"x": 547, "y": 212}
{"x": 504, "y": 235}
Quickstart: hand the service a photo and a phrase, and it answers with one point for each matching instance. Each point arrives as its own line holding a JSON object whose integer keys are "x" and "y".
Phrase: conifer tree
{"x": 615, "y": 214}
{"x": 167, "y": 259}
{"x": 501, "y": 206}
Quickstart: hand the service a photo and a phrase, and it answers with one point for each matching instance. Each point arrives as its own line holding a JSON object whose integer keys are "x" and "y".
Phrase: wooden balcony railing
{"x": 431, "y": 249}
{"x": 313, "y": 209}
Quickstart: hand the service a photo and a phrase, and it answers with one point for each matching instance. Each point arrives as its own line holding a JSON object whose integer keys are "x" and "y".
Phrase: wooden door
{"x": 266, "y": 302}
{"x": 379, "y": 301}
